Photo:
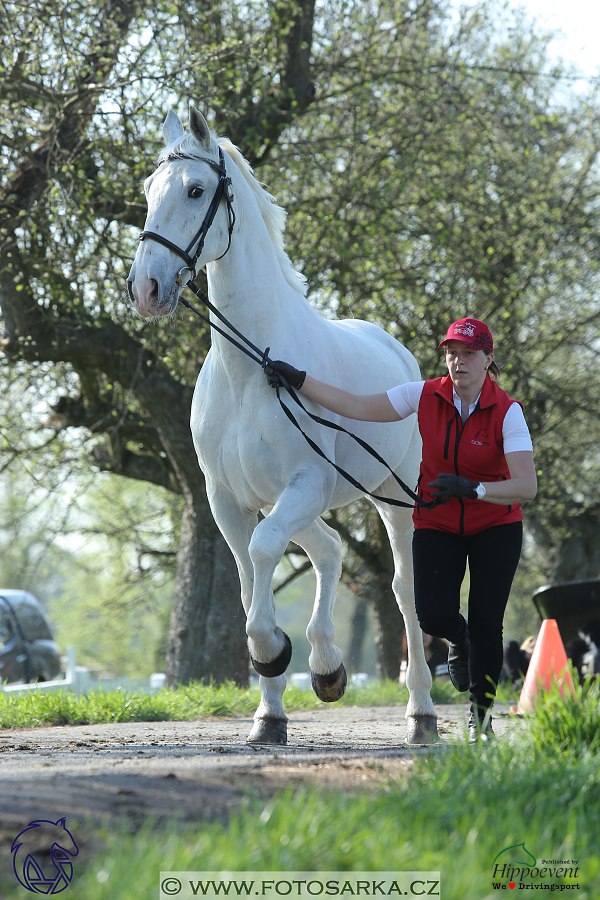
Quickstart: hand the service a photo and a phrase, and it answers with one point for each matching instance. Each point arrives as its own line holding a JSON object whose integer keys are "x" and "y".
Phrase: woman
{"x": 478, "y": 464}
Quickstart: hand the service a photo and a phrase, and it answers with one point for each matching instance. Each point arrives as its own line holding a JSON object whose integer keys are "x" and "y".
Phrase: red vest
{"x": 474, "y": 450}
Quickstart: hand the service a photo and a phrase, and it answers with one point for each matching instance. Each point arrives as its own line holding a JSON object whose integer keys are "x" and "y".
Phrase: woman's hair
{"x": 494, "y": 370}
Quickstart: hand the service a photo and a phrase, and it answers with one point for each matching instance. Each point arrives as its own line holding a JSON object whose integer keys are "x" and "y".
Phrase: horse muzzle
{"x": 145, "y": 294}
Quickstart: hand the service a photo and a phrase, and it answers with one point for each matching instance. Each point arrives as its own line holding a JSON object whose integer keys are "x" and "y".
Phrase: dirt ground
{"x": 104, "y": 774}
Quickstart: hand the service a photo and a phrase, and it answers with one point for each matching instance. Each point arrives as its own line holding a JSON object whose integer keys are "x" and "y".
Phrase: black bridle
{"x": 262, "y": 358}
{"x": 223, "y": 189}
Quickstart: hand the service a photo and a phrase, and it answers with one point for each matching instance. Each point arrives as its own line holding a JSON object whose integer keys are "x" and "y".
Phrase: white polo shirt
{"x": 515, "y": 433}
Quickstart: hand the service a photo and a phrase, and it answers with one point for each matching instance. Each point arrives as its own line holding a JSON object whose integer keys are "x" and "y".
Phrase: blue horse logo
{"x": 29, "y": 870}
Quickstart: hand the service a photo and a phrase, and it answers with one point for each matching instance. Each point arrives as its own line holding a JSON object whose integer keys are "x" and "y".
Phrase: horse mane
{"x": 274, "y": 216}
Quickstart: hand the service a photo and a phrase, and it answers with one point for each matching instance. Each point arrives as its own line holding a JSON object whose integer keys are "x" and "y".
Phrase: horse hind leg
{"x": 270, "y": 721}
{"x": 324, "y": 549}
{"x": 420, "y": 712}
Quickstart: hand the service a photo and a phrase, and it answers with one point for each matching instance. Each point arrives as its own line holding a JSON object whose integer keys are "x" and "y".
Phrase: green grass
{"x": 190, "y": 702}
{"x": 567, "y": 723}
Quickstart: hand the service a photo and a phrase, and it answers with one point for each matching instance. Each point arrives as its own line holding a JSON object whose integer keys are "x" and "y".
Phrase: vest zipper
{"x": 459, "y": 433}
{"x": 447, "y": 444}
{"x": 461, "y": 525}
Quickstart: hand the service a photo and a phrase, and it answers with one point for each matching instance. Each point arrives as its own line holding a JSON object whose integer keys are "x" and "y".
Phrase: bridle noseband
{"x": 223, "y": 189}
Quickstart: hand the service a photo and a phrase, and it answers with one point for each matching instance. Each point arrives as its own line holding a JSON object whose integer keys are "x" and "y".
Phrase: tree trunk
{"x": 578, "y": 556}
{"x": 388, "y": 626}
{"x": 207, "y": 634}
{"x": 357, "y": 635}
{"x": 369, "y": 573}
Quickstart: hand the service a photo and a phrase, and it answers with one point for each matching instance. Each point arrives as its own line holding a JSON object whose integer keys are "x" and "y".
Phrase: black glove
{"x": 453, "y": 486}
{"x": 278, "y": 370}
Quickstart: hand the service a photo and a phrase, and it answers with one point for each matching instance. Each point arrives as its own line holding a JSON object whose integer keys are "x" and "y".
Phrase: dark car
{"x": 28, "y": 652}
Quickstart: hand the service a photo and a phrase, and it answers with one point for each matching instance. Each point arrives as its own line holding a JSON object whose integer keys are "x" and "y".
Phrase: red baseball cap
{"x": 475, "y": 334}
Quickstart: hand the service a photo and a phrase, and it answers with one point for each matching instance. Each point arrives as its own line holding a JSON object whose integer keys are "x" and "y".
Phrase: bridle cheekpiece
{"x": 223, "y": 189}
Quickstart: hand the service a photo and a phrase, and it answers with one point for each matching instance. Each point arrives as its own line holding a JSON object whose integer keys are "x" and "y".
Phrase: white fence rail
{"x": 78, "y": 680}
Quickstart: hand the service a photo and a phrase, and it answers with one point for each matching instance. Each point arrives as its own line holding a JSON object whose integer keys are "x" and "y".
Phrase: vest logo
{"x": 481, "y": 438}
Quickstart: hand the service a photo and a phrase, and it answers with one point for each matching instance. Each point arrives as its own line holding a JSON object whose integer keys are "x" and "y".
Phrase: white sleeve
{"x": 405, "y": 397}
{"x": 515, "y": 432}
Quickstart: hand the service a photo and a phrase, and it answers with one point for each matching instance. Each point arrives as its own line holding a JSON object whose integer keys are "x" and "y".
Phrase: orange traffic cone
{"x": 549, "y": 661}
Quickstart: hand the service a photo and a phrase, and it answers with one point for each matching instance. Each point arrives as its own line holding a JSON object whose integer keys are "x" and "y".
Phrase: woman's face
{"x": 466, "y": 367}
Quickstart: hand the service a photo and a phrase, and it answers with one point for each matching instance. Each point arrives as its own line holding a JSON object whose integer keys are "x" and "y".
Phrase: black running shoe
{"x": 458, "y": 663}
{"x": 480, "y": 726}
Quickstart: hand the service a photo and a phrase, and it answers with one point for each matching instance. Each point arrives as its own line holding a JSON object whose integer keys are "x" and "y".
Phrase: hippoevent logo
{"x": 31, "y": 849}
{"x": 515, "y": 868}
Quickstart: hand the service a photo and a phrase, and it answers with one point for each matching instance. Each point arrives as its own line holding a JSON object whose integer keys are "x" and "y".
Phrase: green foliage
{"x": 30, "y": 523}
{"x": 115, "y": 596}
{"x": 99, "y": 555}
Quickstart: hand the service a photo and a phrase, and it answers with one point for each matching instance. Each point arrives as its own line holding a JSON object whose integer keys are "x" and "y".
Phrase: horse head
{"x": 184, "y": 197}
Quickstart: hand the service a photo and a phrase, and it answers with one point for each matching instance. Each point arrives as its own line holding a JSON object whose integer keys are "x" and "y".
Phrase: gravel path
{"x": 94, "y": 774}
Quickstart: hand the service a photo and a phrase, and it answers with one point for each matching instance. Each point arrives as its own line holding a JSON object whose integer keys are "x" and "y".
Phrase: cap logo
{"x": 467, "y": 329}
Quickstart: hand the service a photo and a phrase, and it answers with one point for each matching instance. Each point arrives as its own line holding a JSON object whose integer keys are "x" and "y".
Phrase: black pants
{"x": 440, "y": 561}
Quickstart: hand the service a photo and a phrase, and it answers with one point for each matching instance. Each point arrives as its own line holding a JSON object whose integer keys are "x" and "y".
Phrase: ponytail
{"x": 494, "y": 371}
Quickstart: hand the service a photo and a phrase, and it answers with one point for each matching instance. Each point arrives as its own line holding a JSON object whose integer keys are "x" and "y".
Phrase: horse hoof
{"x": 278, "y": 665}
{"x": 421, "y": 730}
{"x": 268, "y": 731}
{"x": 331, "y": 687}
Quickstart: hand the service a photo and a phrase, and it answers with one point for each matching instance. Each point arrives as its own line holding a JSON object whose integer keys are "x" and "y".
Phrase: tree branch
{"x": 33, "y": 173}
{"x": 257, "y": 130}
{"x": 142, "y": 467}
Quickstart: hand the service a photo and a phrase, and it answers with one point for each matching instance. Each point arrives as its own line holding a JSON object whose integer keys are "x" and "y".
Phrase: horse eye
{"x": 195, "y": 193}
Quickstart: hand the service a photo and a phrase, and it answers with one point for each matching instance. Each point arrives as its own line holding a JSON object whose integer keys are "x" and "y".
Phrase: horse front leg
{"x": 237, "y": 524}
{"x": 298, "y": 505}
{"x": 324, "y": 548}
{"x": 420, "y": 712}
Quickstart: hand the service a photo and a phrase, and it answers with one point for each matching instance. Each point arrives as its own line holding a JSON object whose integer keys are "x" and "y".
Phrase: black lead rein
{"x": 263, "y": 360}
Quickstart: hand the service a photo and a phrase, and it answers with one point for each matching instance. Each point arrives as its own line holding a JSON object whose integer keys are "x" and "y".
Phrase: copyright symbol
{"x": 171, "y": 886}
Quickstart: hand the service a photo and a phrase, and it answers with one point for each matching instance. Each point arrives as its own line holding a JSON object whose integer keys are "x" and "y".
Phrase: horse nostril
{"x": 143, "y": 292}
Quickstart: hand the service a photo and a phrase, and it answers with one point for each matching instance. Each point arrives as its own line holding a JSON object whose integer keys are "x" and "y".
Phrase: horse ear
{"x": 172, "y": 127}
{"x": 199, "y": 128}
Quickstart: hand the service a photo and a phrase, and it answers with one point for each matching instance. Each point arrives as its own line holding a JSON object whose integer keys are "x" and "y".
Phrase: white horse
{"x": 251, "y": 455}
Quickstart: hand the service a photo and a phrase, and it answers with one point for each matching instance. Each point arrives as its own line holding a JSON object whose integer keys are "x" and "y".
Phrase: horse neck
{"x": 248, "y": 287}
